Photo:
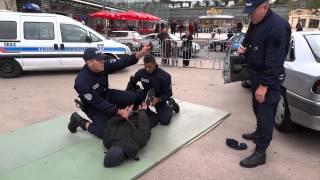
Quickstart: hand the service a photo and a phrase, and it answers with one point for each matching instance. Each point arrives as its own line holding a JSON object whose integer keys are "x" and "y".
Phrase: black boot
{"x": 172, "y": 104}
{"x": 255, "y": 159}
{"x": 249, "y": 136}
{"x": 75, "y": 121}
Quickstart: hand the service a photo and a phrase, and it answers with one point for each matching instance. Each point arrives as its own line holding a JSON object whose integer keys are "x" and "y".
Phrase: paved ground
{"x": 41, "y": 96}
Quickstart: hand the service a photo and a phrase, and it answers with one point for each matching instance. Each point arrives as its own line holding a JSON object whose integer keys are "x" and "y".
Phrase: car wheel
{"x": 282, "y": 119}
{"x": 130, "y": 46}
{"x": 10, "y": 68}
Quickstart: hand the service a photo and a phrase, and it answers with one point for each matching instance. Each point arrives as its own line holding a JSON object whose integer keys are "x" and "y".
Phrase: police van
{"x": 40, "y": 41}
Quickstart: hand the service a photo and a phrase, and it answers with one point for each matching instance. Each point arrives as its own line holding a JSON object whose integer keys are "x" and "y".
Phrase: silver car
{"x": 300, "y": 97}
{"x": 132, "y": 39}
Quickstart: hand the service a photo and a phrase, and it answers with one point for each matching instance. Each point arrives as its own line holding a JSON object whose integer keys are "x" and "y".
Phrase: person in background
{"x": 186, "y": 48}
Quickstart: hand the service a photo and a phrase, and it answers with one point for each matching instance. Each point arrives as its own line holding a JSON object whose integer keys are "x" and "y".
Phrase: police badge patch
{"x": 88, "y": 96}
{"x": 96, "y": 86}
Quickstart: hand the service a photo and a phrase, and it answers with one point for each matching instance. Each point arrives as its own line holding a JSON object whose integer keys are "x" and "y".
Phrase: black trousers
{"x": 265, "y": 114}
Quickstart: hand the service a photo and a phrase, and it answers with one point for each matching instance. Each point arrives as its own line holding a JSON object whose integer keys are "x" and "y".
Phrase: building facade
{"x": 310, "y": 19}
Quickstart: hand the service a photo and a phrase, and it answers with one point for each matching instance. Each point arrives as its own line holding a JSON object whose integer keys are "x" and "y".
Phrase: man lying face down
{"x": 125, "y": 136}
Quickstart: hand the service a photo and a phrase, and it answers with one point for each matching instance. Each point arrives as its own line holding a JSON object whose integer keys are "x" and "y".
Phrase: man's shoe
{"x": 174, "y": 105}
{"x": 249, "y": 136}
{"x": 75, "y": 121}
{"x": 256, "y": 159}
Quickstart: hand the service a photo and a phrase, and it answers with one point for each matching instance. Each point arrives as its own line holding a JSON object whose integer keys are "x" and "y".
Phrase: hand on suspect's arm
{"x": 143, "y": 106}
{"x": 126, "y": 112}
{"x": 154, "y": 101}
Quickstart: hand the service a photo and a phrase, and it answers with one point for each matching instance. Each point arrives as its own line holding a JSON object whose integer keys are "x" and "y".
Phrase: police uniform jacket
{"x": 92, "y": 87}
{"x": 158, "y": 79}
{"x": 267, "y": 45}
{"x": 131, "y": 135}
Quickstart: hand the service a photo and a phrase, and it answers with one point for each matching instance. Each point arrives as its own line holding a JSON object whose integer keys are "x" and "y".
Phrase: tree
{"x": 313, "y": 4}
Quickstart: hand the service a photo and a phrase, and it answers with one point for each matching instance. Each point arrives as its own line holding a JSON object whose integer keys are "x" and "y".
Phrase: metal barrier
{"x": 202, "y": 53}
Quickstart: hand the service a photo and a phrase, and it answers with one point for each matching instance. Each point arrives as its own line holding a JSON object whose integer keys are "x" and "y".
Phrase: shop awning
{"x": 104, "y": 15}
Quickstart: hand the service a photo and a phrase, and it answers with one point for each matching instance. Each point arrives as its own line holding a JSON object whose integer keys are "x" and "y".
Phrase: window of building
{"x": 313, "y": 23}
{"x": 8, "y": 30}
{"x": 38, "y": 30}
{"x": 303, "y": 21}
{"x": 73, "y": 33}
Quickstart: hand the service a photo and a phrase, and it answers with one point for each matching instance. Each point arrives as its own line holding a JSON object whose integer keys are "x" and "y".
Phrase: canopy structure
{"x": 104, "y": 15}
{"x": 128, "y": 15}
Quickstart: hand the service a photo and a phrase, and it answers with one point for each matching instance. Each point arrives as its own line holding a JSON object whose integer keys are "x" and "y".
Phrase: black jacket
{"x": 130, "y": 135}
{"x": 187, "y": 41}
{"x": 159, "y": 80}
{"x": 267, "y": 45}
{"x": 93, "y": 87}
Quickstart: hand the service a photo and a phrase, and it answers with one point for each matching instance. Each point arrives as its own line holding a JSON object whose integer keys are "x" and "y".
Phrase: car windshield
{"x": 314, "y": 42}
{"x": 118, "y": 34}
{"x": 136, "y": 34}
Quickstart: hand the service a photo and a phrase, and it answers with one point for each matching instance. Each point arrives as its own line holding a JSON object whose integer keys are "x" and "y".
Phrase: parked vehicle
{"x": 40, "y": 41}
{"x": 300, "y": 96}
{"x": 176, "y": 42}
{"x": 223, "y": 45}
{"x": 132, "y": 39}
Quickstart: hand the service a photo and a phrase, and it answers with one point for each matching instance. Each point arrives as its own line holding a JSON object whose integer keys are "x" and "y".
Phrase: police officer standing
{"x": 265, "y": 47}
{"x": 153, "y": 77}
{"x": 100, "y": 102}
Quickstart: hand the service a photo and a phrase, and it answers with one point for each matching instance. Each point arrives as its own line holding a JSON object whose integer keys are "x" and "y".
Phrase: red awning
{"x": 149, "y": 17}
{"x": 129, "y": 15}
{"x": 103, "y": 14}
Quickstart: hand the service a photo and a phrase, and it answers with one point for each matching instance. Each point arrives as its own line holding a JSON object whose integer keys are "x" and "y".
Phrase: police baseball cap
{"x": 93, "y": 53}
{"x": 251, "y": 5}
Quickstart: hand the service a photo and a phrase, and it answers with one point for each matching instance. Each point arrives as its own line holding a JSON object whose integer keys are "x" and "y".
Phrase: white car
{"x": 132, "y": 39}
{"x": 176, "y": 42}
{"x": 41, "y": 41}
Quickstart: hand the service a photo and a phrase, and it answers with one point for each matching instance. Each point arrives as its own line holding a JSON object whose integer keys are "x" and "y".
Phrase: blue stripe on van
{"x": 51, "y": 49}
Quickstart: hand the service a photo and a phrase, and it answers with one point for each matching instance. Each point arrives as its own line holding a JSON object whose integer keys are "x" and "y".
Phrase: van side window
{"x": 8, "y": 30}
{"x": 95, "y": 38}
{"x": 38, "y": 30}
{"x": 72, "y": 33}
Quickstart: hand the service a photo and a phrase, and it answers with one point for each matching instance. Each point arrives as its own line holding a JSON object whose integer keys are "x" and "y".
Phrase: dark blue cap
{"x": 251, "y": 5}
{"x": 93, "y": 53}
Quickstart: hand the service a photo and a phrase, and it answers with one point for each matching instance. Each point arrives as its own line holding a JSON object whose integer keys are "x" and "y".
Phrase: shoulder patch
{"x": 88, "y": 96}
{"x": 96, "y": 86}
{"x": 113, "y": 60}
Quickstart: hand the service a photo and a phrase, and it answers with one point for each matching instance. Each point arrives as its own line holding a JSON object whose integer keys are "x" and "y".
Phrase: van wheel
{"x": 10, "y": 68}
{"x": 282, "y": 119}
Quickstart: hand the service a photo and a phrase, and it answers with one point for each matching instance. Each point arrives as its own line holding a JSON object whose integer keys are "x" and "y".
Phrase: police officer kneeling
{"x": 265, "y": 47}
{"x": 153, "y": 77}
{"x": 100, "y": 102}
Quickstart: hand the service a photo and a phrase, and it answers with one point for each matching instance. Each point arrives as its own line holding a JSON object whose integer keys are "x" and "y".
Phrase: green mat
{"x": 48, "y": 151}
